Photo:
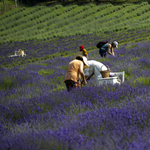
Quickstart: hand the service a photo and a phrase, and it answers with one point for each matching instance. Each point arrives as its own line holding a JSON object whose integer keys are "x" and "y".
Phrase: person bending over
{"x": 75, "y": 72}
{"x": 108, "y": 48}
{"x": 94, "y": 70}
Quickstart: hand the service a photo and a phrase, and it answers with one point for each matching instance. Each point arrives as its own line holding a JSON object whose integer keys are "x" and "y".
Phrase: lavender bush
{"x": 37, "y": 111}
{"x": 42, "y": 50}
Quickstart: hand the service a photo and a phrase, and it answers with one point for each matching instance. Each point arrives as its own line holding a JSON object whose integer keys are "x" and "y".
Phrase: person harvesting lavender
{"x": 75, "y": 72}
{"x": 94, "y": 70}
{"x": 107, "y": 48}
{"x": 83, "y": 50}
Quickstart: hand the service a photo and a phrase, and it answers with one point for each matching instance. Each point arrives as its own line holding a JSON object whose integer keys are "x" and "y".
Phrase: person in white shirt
{"x": 94, "y": 69}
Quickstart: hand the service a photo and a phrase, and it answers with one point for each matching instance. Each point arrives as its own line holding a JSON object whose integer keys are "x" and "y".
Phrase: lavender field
{"x": 38, "y": 113}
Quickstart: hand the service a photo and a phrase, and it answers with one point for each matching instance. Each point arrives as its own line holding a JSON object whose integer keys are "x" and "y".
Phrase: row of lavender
{"x": 39, "y": 50}
{"x": 38, "y": 112}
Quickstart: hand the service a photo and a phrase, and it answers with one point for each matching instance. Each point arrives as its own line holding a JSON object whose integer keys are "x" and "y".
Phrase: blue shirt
{"x": 104, "y": 47}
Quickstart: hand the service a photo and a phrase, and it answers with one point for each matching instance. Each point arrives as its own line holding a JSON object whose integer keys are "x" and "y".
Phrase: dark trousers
{"x": 102, "y": 53}
{"x": 72, "y": 85}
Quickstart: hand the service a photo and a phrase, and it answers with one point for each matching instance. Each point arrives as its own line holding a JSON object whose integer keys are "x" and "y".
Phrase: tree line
{"x": 34, "y": 2}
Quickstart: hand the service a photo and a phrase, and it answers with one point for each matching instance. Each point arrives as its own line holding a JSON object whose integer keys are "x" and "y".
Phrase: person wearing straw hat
{"x": 108, "y": 48}
{"x": 83, "y": 50}
{"x": 75, "y": 72}
{"x": 95, "y": 68}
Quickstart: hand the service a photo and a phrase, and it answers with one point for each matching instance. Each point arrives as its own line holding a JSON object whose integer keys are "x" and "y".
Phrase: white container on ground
{"x": 111, "y": 80}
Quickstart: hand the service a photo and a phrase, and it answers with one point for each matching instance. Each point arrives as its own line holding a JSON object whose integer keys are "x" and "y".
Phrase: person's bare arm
{"x": 82, "y": 74}
{"x": 110, "y": 50}
{"x": 90, "y": 76}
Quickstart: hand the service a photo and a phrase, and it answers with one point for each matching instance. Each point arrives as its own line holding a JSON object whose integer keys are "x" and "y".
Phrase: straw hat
{"x": 84, "y": 60}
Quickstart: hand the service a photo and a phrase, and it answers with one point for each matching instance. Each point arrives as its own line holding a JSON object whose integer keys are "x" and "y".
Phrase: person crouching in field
{"x": 84, "y": 51}
{"x": 94, "y": 70}
{"x": 20, "y": 53}
{"x": 108, "y": 48}
{"x": 75, "y": 72}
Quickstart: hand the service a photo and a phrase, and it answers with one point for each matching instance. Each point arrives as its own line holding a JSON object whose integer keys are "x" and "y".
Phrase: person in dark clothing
{"x": 108, "y": 48}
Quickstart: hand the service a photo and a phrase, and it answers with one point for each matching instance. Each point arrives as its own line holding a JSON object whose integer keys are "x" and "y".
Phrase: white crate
{"x": 111, "y": 80}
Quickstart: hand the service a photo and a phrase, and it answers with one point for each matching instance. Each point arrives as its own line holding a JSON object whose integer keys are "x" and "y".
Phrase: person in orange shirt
{"x": 84, "y": 51}
{"x": 75, "y": 72}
